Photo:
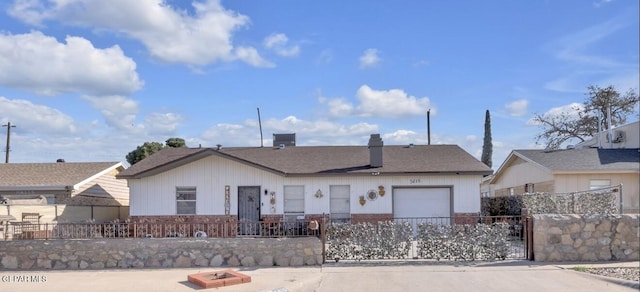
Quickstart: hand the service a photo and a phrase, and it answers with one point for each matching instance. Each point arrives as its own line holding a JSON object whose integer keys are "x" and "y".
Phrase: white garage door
{"x": 421, "y": 202}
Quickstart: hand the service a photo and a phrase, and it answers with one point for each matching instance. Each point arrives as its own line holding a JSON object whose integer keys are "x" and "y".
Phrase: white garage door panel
{"x": 421, "y": 202}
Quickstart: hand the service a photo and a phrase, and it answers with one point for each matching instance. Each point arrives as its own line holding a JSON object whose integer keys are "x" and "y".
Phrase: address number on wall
{"x": 414, "y": 180}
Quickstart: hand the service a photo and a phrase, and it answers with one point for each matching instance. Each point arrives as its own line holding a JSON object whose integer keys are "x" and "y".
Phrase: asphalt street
{"x": 343, "y": 276}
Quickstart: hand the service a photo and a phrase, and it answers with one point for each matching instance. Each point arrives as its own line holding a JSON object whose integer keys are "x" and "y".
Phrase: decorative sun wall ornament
{"x": 372, "y": 195}
{"x": 381, "y": 190}
{"x": 319, "y": 194}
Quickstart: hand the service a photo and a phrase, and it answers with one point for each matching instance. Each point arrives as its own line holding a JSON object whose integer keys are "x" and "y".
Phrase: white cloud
{"x": 338, "y": 107}
{"x": 41, "y": 64}
{"x": 402, "y": 137}
{"x": 170, "y": 34}
{"x": 118, "y": 111}
{"x": 369, "y": 58}
{"x": 250, "y": 56}
{"x": 517, "y": 108}
{"x": 162, "y": 123}
{"x": 34, "y": 118}
{"x": 389, "y": 103}
{"x": 569, "y": 111}
{"x": 278, "y": 43}
{"x": 307, "y": 132}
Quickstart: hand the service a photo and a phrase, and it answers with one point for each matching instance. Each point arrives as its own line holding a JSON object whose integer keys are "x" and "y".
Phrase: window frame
{"x": 597, "y": 186}
{"x": 529, "y": 188}
{"x": 186, "y": 202}
{"x": 287, "y": 210}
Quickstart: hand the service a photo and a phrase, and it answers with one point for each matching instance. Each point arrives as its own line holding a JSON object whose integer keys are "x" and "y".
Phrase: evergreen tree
{"x": 487, "y": 146}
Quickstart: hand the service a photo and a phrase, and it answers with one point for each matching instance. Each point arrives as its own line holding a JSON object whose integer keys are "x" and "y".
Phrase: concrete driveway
{"x": 379, "y": 276}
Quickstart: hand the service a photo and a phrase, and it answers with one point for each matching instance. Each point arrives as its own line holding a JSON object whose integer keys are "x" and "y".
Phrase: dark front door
{"x": 249, "y": 210}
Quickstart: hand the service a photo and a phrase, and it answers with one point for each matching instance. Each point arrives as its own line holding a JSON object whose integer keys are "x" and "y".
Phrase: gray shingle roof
{"x": 319, "y": 160}
{"x": 49, "y": 174}
{"x": 588, "y": 159}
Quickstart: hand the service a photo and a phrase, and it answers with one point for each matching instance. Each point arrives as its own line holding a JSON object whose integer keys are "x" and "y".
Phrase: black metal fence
{"x": 23, "y": 231}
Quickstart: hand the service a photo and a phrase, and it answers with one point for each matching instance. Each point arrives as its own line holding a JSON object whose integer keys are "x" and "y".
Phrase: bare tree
{"x": 582, "y": 122}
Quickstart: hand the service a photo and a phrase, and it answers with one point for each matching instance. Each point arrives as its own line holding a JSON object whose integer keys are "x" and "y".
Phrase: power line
{"x": 9, "y": 126}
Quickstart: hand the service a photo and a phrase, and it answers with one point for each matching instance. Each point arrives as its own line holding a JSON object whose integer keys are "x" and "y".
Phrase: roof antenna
{"x": 429, "y": 127}
{"x": 260, "y": 124}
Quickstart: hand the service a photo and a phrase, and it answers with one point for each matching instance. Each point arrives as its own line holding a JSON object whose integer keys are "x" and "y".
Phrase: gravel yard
{"x": 632, "y": 274}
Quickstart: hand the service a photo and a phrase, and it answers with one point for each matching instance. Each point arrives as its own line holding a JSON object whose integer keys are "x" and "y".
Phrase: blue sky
{"x": 90, "y": 80}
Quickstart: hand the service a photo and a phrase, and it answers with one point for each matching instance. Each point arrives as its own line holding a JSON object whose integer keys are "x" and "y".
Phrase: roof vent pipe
{"x": 375, "y": 150}
{"x": 60, "y": 160}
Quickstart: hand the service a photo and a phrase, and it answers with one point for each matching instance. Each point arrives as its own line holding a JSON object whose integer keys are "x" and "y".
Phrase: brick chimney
{"x": 375, "y": 150}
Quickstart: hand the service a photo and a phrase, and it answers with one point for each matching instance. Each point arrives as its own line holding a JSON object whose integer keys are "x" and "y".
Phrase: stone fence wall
{"x": 586, "y": 237}
{"x": 158, "y": 253}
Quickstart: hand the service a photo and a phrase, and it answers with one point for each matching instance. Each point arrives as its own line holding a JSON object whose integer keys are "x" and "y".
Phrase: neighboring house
{"x": 357, "y": 183}
{"x": 570, "y": 170}
{"x": 624, "y": 137}
{"x": 28, "y": 188}
{"x": 486, "y": 188}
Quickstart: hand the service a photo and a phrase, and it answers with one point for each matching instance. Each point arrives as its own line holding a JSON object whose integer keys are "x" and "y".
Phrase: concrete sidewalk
{"x": 379, "y": 276}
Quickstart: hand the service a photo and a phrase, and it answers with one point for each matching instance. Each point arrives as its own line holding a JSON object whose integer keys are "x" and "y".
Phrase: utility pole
{"x": 9, "y": 126}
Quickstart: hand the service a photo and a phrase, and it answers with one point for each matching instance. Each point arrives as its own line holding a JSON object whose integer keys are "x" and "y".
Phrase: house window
{"x": 595, "y": 184}
{"x": 293, "y": 202}
{"x": 185, "y": 200}
{"x": 511, "y": 191}
{"x": 528, "y": 188}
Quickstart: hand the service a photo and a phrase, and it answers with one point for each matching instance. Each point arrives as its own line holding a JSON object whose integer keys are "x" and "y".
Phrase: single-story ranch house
{"x": 61, "y": 191}
{"x": 356, "y": 183}
{"x": 570, "y": 170}
{"x": 70, "y": 183}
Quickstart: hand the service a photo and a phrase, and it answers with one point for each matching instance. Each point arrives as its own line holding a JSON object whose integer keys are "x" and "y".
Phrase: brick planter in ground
{"x": 218, "y": 279}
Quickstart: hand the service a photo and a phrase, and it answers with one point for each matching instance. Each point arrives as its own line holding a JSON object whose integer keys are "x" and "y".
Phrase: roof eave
{"x": 615, "y": 171}
{"x": 99, "y": 174}
{"x": 382, "y": 173}
{"x": 35, "y": 188}
{"x": 195, "y": 157}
